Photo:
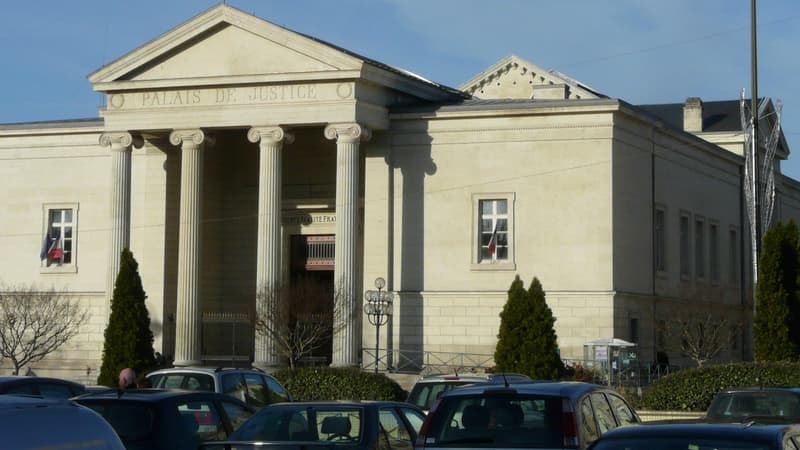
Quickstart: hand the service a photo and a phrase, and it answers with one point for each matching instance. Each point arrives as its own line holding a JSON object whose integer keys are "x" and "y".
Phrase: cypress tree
{"x": 776, "y": 334}
{"x": 527, "y": 342}
{"x": 128, "y": 338}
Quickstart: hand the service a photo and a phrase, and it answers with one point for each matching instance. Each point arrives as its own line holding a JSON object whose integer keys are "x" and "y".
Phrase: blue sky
{"x": 641, "y": 51}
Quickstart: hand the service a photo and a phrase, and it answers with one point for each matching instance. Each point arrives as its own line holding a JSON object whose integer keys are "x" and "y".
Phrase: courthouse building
{"x": 232, "y": 153}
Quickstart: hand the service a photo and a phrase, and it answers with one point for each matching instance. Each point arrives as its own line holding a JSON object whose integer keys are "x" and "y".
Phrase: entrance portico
{"x": 225, "y": 72}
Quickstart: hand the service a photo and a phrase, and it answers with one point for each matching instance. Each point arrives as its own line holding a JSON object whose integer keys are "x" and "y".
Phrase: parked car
{"x": 157, "y": 419}
{"x": 427, "y": 389}
{"x": 251, "y": 386}
{"x": 744, "y": 403}
{"x": 351, "y": 425}
{"x": 38, "y": 423}
{"x": 523, "y": 415}
{"x": 701, "y": 436}
{"x": 40, "y": 387}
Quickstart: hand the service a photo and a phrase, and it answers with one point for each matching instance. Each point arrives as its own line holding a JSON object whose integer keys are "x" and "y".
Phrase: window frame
{"x": 660, "y": 241}
{"x": 685, "y": 264}
{"x": 699, "y": 253}
{"x": 734, "y": 256}
{"x": 72, "y": 266}
{"x": 713, "y": 252}
{"x": 475, "y": 232}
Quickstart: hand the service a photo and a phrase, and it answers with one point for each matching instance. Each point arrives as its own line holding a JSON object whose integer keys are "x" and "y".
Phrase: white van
{"x": 36, "y": 423}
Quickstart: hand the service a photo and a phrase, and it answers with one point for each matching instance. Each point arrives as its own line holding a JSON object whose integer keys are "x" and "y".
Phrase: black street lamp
{"x": 378, "y": 309}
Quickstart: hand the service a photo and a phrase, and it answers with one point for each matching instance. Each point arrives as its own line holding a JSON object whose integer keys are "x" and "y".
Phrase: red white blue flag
{"x": 493, "y": 241}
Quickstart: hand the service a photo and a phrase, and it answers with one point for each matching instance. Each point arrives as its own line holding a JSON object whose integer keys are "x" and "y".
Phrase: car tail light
{"x": 422, "y": 436}
{"x": 569, "y": 425}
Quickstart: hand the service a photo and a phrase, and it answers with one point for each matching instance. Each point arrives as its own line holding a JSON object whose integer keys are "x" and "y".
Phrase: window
{"x": 634, "y": 329}
{"x": 700, "y": 248}
{"x": 493, "y": 232}
{"x": 733, "y": 260}
{"x": 58, "y": 246}
{"x": 659, "y": 244}
{"x": 684, "y": 246}
{"x": 713, "y": 252}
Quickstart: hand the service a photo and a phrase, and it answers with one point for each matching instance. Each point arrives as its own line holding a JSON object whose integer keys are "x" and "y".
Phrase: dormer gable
{"x": 514, "y": 78}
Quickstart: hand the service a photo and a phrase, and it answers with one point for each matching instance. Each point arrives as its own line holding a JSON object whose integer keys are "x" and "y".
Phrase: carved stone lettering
{"x": 225, "y": 96}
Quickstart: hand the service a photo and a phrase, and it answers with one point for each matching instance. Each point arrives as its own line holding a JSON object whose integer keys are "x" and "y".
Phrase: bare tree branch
{"x": 699, "y": 337}
{"x": 299, "y": 318}
{"x": 35, "y": 323}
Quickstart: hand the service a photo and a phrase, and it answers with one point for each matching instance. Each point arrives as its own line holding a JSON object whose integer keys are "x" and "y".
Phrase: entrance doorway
{"x": 311, "y": 282}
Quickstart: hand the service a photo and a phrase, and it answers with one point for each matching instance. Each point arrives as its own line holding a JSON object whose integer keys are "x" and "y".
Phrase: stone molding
{"x": 122, "y": 139}
{"x": 347, "y": 132}
{"x": 192, "y": 136}
{"x": 269, "y": 134}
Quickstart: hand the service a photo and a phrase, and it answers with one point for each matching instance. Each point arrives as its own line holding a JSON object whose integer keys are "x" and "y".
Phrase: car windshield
{"x": 755, "y": 403}
{"x": 677, "y": 443}
{"x": 499, "y": 420}
{"x": 425, "y": 393}
{"x": 334, "y": 424}
{"x": 189, "y": 381}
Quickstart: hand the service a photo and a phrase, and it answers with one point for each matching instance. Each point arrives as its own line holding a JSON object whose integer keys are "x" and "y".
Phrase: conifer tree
{"x": 776, "y": 333}
{"x": 128, "y": 338}
{"x": 527, "y": 342}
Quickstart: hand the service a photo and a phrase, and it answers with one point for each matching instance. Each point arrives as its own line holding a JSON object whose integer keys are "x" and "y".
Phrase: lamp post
{"x": 378, "y": 309}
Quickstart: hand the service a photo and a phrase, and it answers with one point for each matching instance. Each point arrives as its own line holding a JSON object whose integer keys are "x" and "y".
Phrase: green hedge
{"x": 693, "y": 389}
{"x": 336, "y": 383}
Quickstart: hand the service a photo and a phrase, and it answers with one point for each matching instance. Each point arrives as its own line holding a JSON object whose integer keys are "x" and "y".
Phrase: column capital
{"x": 347, "y": 132}
{"x": 194, "y": 136}
{"x": 271, "y": 134}
{"x": 124, "y": 139}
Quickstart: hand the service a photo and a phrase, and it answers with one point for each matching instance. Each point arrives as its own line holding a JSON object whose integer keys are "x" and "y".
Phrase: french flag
{"x": 493, "y": 241}
{"x": 52, "y": 248}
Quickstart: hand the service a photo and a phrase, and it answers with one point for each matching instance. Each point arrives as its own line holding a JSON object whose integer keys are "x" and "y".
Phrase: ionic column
{"x": 268, "y": 265}
{"x": 187, "y": 320}
{"x": 120, "y": 144}
{"x": 347, "y": 320}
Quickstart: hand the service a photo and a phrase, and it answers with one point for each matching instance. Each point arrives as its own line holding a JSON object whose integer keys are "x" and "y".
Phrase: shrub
{"x": 128, "y": 338}
{"x": 338, "y": 383}
{"x": 693, "y": 389}
{"x": 527, "y": 342}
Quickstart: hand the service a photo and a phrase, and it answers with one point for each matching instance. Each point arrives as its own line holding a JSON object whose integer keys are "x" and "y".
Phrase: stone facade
{"x": 209, "y": 167}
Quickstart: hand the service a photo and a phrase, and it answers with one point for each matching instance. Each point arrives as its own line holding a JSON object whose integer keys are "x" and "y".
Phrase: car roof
{"x": 149, "y": 395}
{"x": 732, "y": 431}
{"x": 21, "y": 378}
{"x": 207, "y": 370}
{"x": 795, "y": 390}
{"x": 561, "y": 388}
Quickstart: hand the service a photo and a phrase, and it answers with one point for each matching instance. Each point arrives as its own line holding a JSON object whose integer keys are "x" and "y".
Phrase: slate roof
{"x": 717, "y": 116}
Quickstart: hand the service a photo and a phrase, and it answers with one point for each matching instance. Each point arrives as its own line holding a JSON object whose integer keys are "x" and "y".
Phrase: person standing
{"x": 127, "y": 379}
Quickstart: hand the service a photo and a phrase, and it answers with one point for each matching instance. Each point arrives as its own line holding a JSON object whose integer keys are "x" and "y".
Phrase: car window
{"x": 237, "y": 414}
{"x": 394, "y": 433}
{"x": 55, "y": 390}
{"x": 587, "y": 422}
{"x": 414, "y": 418}
{"x": 201, "y": 420}
{"x": 502, "y": 420}
{"x": 190, "y": 381}
{"x": 423, "y": 394}
{"x": 603, "y": 413}
{"x": 257, "y": 394}
{"x": 338, "y": 425}
{"x": 625, "y": 415}
{"x": 21, "y": 389}
{"x": 276, "y": 391}
{"x": 233, "y": 385}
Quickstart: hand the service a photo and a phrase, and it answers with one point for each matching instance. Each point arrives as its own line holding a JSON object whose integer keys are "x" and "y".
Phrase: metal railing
{"x": 425, "y": 362}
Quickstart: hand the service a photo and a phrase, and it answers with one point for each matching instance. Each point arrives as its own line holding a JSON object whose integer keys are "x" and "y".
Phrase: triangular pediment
{"x": 514, "y": 78}
{"x": 221, "y": 43}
